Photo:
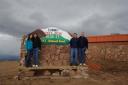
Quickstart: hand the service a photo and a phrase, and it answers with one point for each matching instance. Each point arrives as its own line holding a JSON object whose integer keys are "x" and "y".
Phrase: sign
{"x": 55, "y": 36}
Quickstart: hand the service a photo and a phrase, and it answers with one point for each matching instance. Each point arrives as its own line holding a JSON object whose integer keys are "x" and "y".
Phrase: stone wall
{"x": 53, "y": 55}
{"x": 117, "y": 51}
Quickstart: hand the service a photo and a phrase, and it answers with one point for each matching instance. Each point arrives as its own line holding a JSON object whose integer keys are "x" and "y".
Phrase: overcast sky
{"x": 91, "y": 16}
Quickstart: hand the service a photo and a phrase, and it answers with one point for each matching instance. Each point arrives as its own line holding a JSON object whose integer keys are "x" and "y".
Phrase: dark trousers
{"x": 74, "y": 54}
{"x": 28, "y": 58}
{"x": 82, "y": 55}
{"x": 35, "y": 55}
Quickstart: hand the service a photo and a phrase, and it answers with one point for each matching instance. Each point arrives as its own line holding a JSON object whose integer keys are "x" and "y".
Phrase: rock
{"x": 65, "y": 73}
{"x": 47, "y": 73}
{"x": 56, "y": 74}
{"x": 55, "y": 55}
{"x": 107, "y": 51}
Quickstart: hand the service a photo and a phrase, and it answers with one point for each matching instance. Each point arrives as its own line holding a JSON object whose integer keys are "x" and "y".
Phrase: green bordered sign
{"x": 55, "y": 36}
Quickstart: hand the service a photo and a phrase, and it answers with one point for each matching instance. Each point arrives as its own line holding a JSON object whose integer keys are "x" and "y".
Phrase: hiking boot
{"x": 80, "y": 64}
{"x": 36, "y": 66}
{"x": 33, "y": 65}
{"x": 84, "y": 64}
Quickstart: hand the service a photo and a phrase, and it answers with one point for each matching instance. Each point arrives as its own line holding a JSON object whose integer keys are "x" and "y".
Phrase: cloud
{"x": 25, "y": 16}
{"x": 91, "y": 16}
{"x": 9, "y": 45}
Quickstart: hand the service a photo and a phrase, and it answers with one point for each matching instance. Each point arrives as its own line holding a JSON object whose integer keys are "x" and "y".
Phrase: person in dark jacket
{"x": 36, "y": 48}
{"x": 83, "y": 46}
{"x": 74, "y": 49}
{"x": 29, "y": 48}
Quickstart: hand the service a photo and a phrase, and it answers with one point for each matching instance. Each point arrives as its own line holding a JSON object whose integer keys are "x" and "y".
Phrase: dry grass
{"x": 8, "y": 70}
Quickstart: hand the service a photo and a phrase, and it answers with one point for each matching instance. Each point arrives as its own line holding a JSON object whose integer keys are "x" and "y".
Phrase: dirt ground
{"x": 8, "y": 71}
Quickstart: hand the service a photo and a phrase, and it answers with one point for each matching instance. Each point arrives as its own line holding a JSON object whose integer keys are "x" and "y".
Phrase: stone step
{"x": 61, "y": 71}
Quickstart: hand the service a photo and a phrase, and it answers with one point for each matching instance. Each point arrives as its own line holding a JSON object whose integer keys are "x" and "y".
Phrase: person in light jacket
{"x": 29, "y": 48}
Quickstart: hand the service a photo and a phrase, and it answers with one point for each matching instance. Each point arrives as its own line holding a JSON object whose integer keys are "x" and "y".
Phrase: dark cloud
{"x": 21, "y": 16}
{"x": 91, "y": 16}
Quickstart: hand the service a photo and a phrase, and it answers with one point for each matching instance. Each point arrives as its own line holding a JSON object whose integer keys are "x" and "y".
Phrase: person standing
{"x": 29, "y": 48}
{"x": 83, "y": 46}
{"x": 74, "y": 49}
{"x": 36, "y": 48}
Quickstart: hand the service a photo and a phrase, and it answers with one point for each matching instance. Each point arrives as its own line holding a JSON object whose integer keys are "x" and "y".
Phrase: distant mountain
{"x": 8, "y": 58}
